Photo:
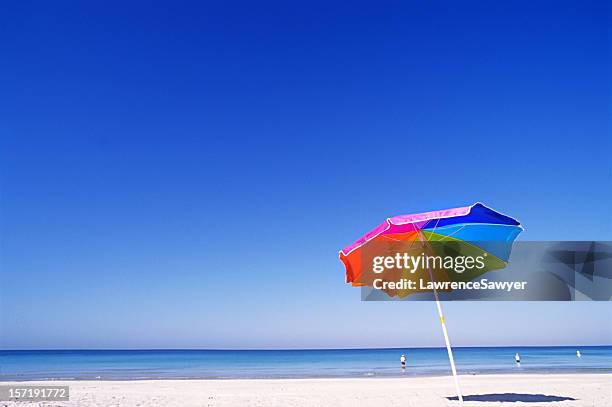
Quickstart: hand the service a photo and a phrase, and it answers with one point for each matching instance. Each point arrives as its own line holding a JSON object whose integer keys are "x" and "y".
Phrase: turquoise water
{"x": 227, "y": 364}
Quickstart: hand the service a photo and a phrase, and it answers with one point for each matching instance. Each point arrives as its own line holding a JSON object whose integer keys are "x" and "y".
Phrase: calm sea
{"x": 229, "y": 364}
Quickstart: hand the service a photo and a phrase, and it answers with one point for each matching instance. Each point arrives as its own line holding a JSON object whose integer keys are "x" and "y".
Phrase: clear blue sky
{"x": 184, "y": 175}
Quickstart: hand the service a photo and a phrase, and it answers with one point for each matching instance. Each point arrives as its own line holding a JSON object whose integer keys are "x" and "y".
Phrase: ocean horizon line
{"x": 298, "y": 349}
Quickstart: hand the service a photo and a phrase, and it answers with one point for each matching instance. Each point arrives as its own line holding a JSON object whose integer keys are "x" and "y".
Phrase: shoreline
{"x": 4, "y": 381}
{"x": 528, "y": 389}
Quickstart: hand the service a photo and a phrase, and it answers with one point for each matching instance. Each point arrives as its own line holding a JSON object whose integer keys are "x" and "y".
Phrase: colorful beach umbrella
{"x": 474, "y": 232}
{"x": 468, "y": 231}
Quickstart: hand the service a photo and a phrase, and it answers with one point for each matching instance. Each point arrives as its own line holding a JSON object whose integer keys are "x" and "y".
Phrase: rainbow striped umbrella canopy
{"x": 475, "y": 230}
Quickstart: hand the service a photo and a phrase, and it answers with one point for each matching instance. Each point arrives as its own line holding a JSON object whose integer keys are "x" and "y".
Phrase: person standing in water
{"x": 517, "y": 359}
{"x": 403, "y": 360}
{"x": 578, "y": 354}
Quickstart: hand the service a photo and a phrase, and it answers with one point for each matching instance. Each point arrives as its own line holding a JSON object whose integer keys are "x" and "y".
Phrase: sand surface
{"x": 592, "y": 390}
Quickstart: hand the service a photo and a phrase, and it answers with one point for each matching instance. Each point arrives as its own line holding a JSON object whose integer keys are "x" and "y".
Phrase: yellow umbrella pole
{"x": 445, "y": 332}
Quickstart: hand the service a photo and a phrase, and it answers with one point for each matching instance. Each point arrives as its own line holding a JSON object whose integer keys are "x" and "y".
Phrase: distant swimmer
{"x": 403, "y": 360}
{"x": 578, "y": 354}
{"x": 517, "y": 358}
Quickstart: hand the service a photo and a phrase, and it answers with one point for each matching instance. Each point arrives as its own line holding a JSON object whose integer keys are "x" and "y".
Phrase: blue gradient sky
{"x": 184, "y": 175}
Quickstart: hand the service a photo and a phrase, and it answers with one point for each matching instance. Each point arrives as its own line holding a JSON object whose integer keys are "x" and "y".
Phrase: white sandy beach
{"x": 592, "y": 390}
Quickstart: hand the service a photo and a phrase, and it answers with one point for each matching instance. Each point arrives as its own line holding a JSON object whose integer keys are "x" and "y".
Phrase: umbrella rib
{"x": 390, "y": 238}
{"x": 434, "y": 229}
{"x": 445, "y": 236}
{"x": 416, "y": 230}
